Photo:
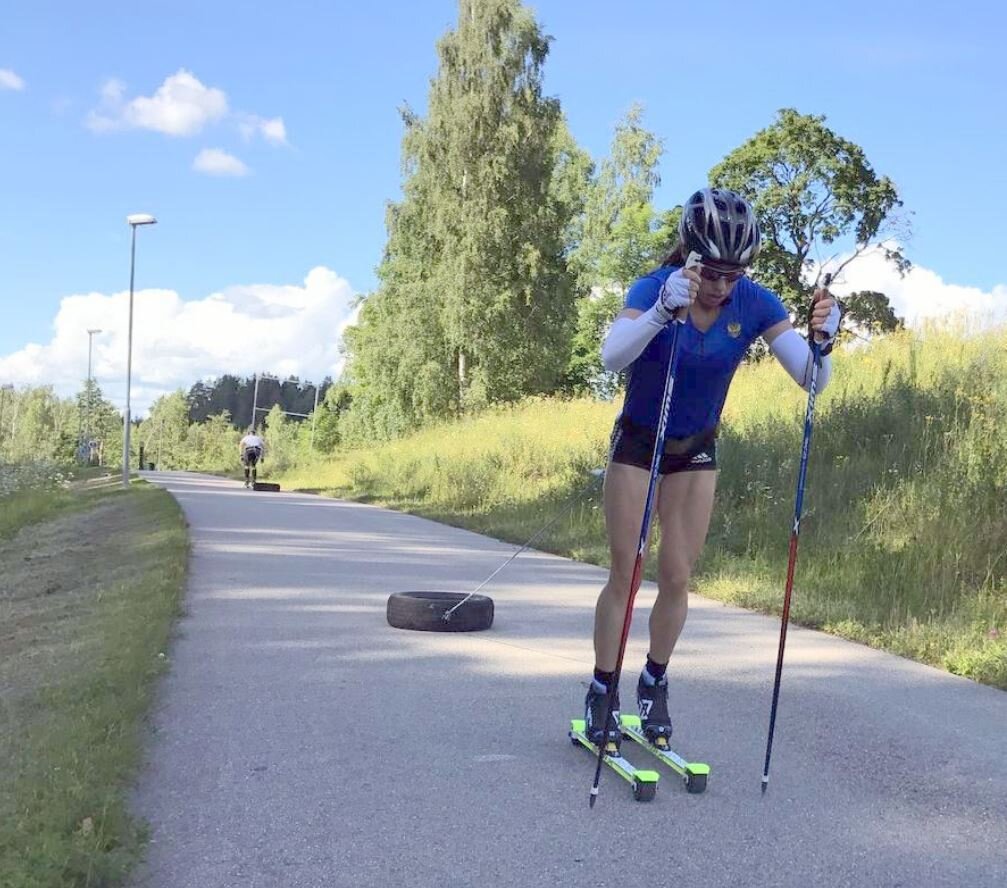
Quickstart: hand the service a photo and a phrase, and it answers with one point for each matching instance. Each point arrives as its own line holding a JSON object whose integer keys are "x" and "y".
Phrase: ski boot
{"x": 652, "y": 701}
{"x": 595, "y": 729}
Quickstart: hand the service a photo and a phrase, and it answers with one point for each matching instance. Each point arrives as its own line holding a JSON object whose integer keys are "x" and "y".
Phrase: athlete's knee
{"x": 619, "y": 580}
{"x": 673, "y": 578}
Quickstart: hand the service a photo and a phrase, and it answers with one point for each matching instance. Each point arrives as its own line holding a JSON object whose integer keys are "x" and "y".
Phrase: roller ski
{"x": 652, "y": 730}
{"x": 644, "y": 783}
{"x": 594, "y": 733}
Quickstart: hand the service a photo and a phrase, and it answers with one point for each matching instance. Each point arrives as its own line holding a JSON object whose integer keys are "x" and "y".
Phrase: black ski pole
{"x": 802, "y": 472}
{"x": 637, "y": 577}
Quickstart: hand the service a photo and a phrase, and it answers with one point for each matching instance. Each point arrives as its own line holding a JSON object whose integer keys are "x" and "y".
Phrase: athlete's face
{"x": 716, "y": 284}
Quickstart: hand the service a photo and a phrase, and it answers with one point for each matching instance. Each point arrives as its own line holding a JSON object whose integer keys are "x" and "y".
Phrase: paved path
{"x": 300, "y": 741}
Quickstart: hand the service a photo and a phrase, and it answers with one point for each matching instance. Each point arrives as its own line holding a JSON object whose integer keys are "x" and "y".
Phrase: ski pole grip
{"x": 694, "y": 259}
{"x": 816, "y": 344}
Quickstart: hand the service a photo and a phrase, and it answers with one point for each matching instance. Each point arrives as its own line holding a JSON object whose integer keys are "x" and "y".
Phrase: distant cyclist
{"x": 252, "y": 450}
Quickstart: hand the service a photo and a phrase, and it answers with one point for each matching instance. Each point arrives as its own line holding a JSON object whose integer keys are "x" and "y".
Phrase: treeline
{"x": 39, "y": 427}
{"x": 238, "y": 396}
{"x": 171, "y": 440}
{"x": 179, "y": 432}
{"x": 510, "y": 249}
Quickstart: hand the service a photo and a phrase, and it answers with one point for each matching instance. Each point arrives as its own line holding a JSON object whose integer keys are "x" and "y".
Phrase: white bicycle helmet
{"x": 720, "y": 225}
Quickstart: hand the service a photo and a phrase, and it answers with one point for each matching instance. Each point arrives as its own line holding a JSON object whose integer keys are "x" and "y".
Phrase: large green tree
{"x": 870, "y": 311}
{"x": 617, "y": 231}
{"x": 618, "y": 237}
{"x": 475, "y": 302}
{"x": 100, "y": 427}
{"x": 818, "y": 199}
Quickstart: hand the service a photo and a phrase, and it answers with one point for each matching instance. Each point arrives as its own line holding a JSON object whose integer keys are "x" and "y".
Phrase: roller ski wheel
{"x": 644, "y": 792}
{"x": 695, "y": 783}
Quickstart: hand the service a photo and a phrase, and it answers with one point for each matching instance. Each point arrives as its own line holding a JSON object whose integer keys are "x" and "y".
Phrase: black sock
{"x": 656, "y": 670}
{"x": 604, "y": 679}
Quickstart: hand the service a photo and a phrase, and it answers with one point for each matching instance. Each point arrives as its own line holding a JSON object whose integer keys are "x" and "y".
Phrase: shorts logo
{"x": 701, "y": 459}
{"x": 734, "y": 329}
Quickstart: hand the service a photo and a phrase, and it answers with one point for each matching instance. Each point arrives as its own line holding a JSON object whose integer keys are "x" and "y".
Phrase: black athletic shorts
{"x": 251, "y": 456}
{"x": 633, "y": 445}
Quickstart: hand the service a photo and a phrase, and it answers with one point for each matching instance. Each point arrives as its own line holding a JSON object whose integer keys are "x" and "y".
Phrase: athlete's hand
{"x": 825, "y": 316}
{"x": 677, "y": 293}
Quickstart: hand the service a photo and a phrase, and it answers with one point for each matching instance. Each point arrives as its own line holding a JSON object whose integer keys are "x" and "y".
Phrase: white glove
{"x": 677, "y": 292}
{"x": 830, "y": 326}
{"x": 824, "y": 319}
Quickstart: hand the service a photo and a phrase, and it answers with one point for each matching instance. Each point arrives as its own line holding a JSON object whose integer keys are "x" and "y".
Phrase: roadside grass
{"x": 904, "y": 537}
{"x": 88, "y": 593}
{"x": 29, "y": 494}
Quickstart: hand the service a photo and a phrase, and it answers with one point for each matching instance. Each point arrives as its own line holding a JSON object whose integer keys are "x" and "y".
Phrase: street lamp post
{"x": 134, "y": 221}
{"x": 314, "y": 416}
{"x": 255, "y": 402}
{"x": 88, "y": 391}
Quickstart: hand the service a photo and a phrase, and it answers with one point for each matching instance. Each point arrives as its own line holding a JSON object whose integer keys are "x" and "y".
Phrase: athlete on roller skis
{"x": 723, "y": 313}
{"x": 251, "y": 450}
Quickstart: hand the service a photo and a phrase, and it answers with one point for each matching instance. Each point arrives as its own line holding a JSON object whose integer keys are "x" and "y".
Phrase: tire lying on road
{"x": 425, "y": 611}
{"x": 265, "y": 485}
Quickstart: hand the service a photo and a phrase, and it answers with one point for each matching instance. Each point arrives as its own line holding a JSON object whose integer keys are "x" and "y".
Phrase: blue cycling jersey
{"x": 706, "y": 361}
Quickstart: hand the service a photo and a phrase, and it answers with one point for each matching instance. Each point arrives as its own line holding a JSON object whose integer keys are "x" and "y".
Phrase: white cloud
{"x": 287, "y": 330}
{"x": 182, "y": 106}
{"x": 215, "y": 162}
{"x": 273, "y": 129}
{"x": 10, "y": 80}
{"x": 922, "y": 295}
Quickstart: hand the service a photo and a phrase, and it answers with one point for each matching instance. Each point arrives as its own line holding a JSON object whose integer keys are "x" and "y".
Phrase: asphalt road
{"x": 299, "y": 740}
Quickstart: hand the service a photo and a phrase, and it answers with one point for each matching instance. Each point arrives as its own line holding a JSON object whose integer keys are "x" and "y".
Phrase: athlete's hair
{"x": 676, "y": 256}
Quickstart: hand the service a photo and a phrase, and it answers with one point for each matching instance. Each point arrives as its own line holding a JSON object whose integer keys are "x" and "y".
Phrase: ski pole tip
{"x": 594, "y": 796}
{"x": 765, "y": 783}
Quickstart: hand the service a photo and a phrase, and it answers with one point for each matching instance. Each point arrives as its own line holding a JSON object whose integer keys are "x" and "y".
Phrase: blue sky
{"x": 316, "y": 85}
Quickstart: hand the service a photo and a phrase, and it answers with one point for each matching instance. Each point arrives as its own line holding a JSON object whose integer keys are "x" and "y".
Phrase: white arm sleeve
{"x": 628, "y": 337}
{"x": 794, "y": 353}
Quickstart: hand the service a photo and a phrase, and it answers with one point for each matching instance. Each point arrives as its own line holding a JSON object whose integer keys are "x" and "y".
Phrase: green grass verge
{"x": 904, "y": 537}
{"x": 31, "y": 506}
{"x": 39, "y": 502}
{"x": 94, "y": 591}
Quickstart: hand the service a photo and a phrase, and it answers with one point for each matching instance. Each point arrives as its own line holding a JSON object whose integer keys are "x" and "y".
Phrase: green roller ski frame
{"x": 644, "y": 783}
{"x": 693, "y": 774}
